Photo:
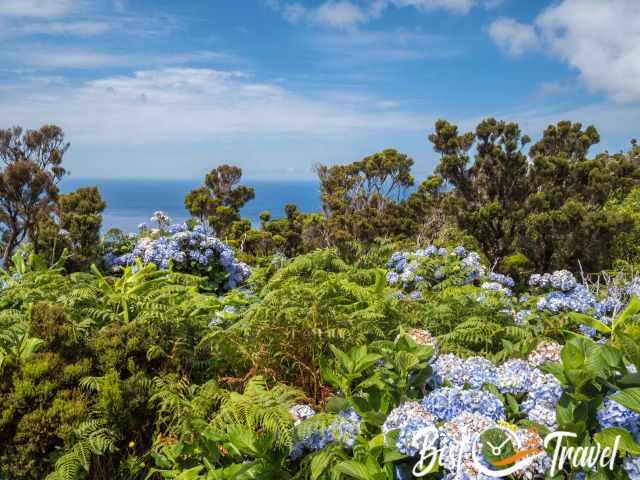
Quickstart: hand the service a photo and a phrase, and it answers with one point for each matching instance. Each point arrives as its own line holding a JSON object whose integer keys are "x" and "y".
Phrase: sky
{"x": 170, "y": 89}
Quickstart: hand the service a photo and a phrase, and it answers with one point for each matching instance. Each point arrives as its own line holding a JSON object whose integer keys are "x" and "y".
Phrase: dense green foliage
{"x": 153, "y": 356}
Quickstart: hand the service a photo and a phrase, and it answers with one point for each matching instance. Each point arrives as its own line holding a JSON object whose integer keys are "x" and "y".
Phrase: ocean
{"x": 130, "y": 202}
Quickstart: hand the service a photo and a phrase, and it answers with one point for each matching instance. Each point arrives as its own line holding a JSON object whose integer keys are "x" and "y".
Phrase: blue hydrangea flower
{"x": 542, "y": 400}
{"x": 516, "y": 376}
{"x": 411, "y": 419}
{"x": 631, "y": 465}
{"x": 456, "y": 441}
{"x": 612, "y": 414}
{"x": 447, "y": 403}
{"x": 472, "y": 372}
{"x": 460, "y": 251}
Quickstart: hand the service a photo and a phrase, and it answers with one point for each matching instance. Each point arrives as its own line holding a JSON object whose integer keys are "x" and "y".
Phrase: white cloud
{"x": 294, "y": 12}
{"x": 456, "y": 6}
{"x": 37, "y": 8}
{"x": 343, "y": 14}
{"x": 171, "y": 104}
{"x": 44, "y": 57}
{"x": 601, "y": 40}
{"x": 339, "y": 14}
{"x": 79, "y": 28}
{"x": 512, "y": 36}
{"x": 383, "y": 46}
{"x": 551, "y": 89}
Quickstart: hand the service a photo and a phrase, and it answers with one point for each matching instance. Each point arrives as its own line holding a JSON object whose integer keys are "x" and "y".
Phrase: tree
{"x": 45, "y": 147}
{"x": 548, "y": 205}
{"x": 78, "y": 228}
{"x": 219, "y": 201}
{"x": 32, "y": 167}
{"x": 357, "y": 198}
{"x": 26, "y": 194}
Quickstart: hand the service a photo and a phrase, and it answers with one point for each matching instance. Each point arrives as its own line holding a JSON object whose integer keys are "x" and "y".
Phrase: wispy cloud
{"x": 76, "y": 28}
{"x": 383, "y": 46}
{"x": 345, "y": 14}
{"x": 48, "y": 57}
{"x": 38, "y": 8}
{"x": 171, "y": 103}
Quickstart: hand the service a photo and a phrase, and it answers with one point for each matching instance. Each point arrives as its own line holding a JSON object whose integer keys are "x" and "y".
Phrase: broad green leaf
{"x": 590, "y": 322}
{"x": 353, "y": 469}
{"x": 608, "y": 436}
{"x": 629, "y": 397}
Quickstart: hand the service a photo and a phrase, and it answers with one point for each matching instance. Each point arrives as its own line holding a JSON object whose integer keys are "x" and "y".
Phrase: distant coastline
{"x": 130, "y": 202}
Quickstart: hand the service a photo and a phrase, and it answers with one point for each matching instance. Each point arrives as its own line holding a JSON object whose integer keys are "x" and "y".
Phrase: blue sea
{"x": 130, "y": 202}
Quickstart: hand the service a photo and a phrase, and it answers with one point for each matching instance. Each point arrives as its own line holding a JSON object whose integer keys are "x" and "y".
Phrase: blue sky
{"x": 170, "y": 89}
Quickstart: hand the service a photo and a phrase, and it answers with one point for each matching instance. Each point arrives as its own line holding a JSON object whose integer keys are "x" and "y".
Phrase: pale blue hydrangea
{"x": 301, "y": 412}
{"x": 516, "y": 376}
{"x": 497, "y": 288}
{"x": 344, "y": 430}
{"x": 612, "y": 414}
{"x": 542, "y": 400}
{"x": 346, "y": 427}
{"x": 631, "y": 465}
{"x": 410, "y": 419}
{"x": 504, "y": 280}
{"x": 472, "y": 372}
{"x": 447, "y": 403}
{"x": 460, "y": 251}
{"x": 198, "y": 246}
{"x": 562, "y": 280}
{"x": 521, "y": 316}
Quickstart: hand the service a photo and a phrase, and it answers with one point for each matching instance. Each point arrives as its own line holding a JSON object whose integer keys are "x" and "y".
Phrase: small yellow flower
{"x": 132, "y": 444}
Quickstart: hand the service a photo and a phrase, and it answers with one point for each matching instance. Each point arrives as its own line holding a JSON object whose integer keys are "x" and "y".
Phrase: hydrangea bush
{"x": 184, "y": 247}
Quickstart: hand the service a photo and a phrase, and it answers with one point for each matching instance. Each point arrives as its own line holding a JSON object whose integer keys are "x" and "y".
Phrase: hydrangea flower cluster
{"x": 497, "y": 288}
{"x": 631, "y": 465}
{"x": 516, "y": 376}
{"x": 447, "y": 403}
{"x": 571, "y": 296}
{"x": 562, "y": 280}
{"x": 192, "y": 250}
{"x": 502, "y": 279}
{"x": 456, "y": 442}
{"x": 579, "y": 299}
{"x": 411, "y": 419}
{"x": 160, "y": 218}
{"x": 612, "y": 414}
{"x": 423, "y": 338}
{"x": 405, "y": 269}
{"x": 545, "y": 352}
{"x": 473, "y": 371}
{"x": 542, "y": 400}
{"x": 344, "y": 429}
{"x": 301, "y": 412}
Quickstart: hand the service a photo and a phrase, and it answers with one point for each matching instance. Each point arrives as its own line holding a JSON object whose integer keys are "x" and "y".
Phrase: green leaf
{"x": 319, "y": 463}
{"x": 353, "y": 469}
{"x": 629, "y": 397}
{"x": 630, "y": 348}
{"x": 632, "y": 308}
{"x": 190, "y": 474}
{"x": 572, "y": 356}
{"x": 590, "y": 322}
{"x": 608, "y": 436}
